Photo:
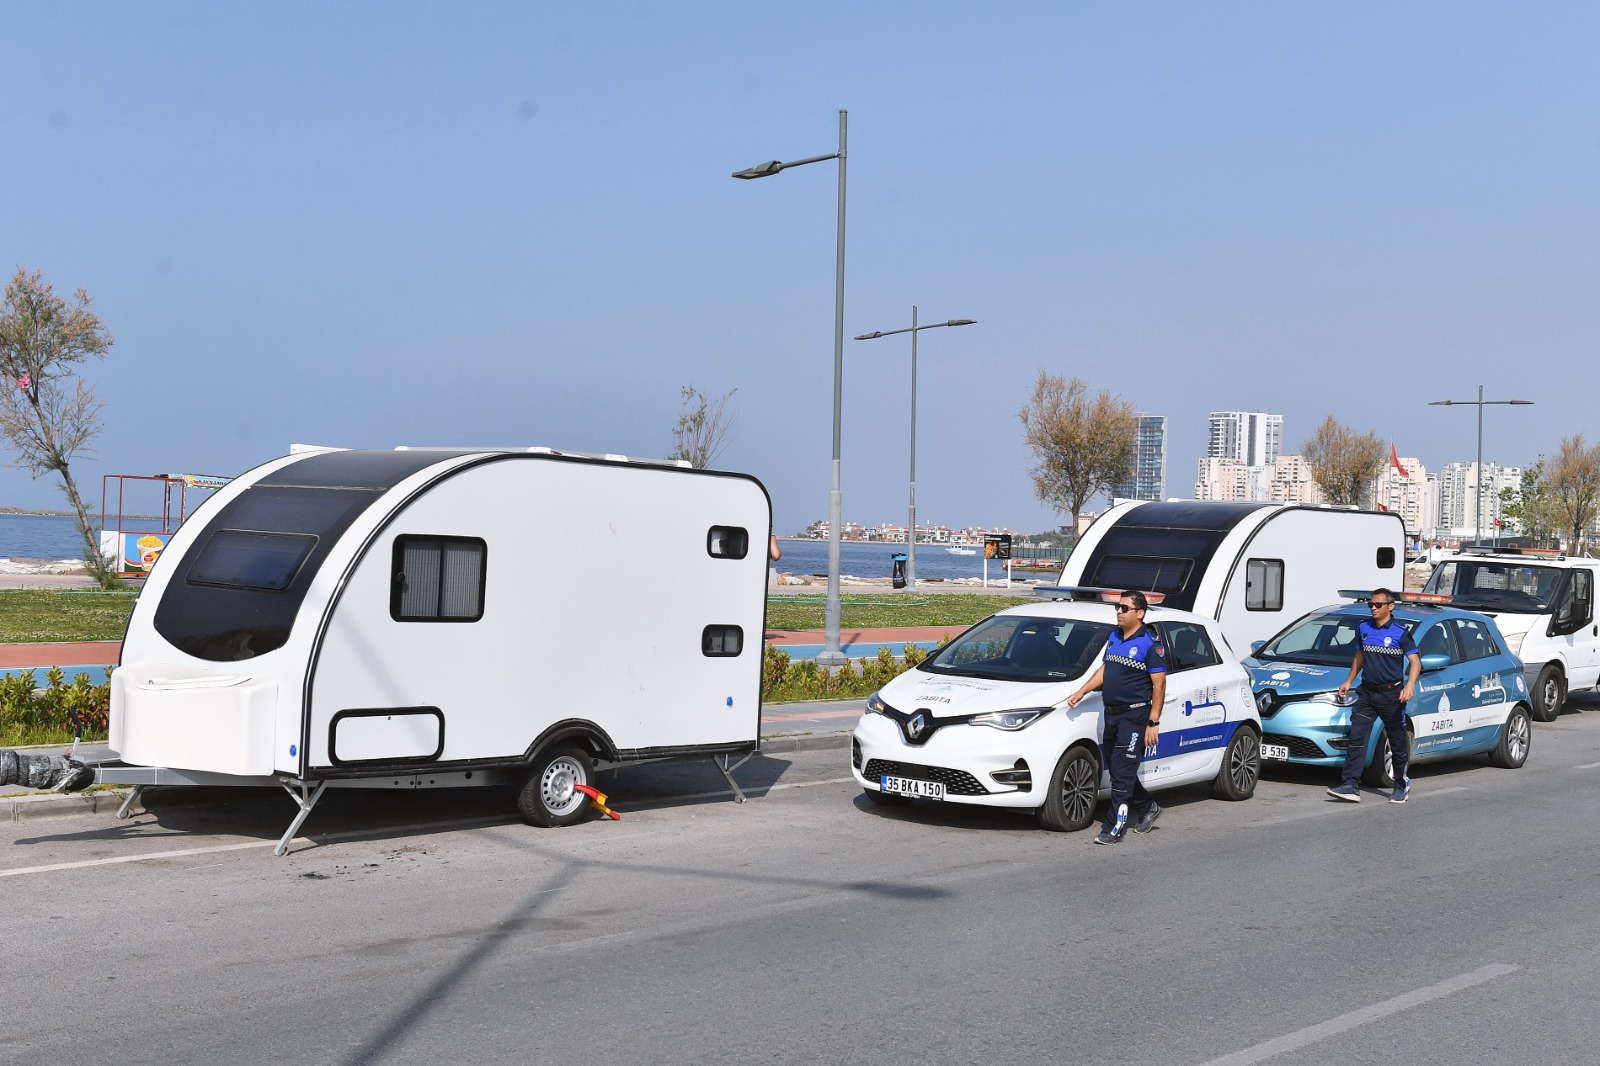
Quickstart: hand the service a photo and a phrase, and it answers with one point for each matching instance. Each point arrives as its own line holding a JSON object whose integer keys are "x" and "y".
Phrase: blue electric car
{"x": 1471, "y": 697}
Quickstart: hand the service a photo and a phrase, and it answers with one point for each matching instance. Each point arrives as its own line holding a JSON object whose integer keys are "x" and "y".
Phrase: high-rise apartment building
{"x": 1255, "y": 438}
{"x": 1403, "y": 489}
{"x": 1458, "y": 497}
{"x": 1149, "y": 481}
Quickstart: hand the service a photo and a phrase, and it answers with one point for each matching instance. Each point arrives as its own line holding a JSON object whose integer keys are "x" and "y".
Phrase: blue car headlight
{"x": 1011, "y": 721}
{"x": 1346, "y": 700}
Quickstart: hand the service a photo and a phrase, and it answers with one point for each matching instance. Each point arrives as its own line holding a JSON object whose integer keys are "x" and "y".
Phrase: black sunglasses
{"x": 1121, "y": 607}
{"x": 1380, "y": 603}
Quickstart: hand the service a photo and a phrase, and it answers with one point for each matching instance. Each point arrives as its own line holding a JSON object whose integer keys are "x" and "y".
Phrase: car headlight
{"x": 1011, "y": 721}
{"x": 1514, "y": 642}
{"x": 1347, "y": 700}
{"x": 875, "y": 705}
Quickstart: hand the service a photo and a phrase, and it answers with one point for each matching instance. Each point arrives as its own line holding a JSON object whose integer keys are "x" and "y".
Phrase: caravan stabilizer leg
{"x": 126, "y": 810}
{"x": 726, "y": 766}
{"x": 305, "y": 800}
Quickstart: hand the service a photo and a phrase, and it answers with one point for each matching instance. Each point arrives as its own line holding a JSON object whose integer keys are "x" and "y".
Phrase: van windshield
{"x": 1485, "y": 585}
{"x": 1012, "y": 647}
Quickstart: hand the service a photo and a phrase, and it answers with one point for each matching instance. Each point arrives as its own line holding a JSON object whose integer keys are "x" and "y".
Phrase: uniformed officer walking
{"x": 1133, "y": 674}
{"x": 1382, "y": 653}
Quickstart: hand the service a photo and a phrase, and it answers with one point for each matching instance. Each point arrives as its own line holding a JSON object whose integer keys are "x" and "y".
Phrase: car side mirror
{"x": 1257, "y": 645}
{"x": 1434, "y": 661}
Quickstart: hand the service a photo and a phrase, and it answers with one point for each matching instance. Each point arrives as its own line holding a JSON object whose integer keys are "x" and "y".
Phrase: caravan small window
{"x": 1263, "y": 585}
{"x": 721, "y": 641}
{"x": 438, "y": 579}
{"x": 728, "y": 542}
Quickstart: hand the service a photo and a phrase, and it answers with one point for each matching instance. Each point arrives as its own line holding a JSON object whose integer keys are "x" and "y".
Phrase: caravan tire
{"x": 548, "y": 797}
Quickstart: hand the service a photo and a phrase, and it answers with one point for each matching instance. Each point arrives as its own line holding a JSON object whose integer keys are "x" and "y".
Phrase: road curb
{"x": 807, "y": 742}
{"x": 57, "y": 805}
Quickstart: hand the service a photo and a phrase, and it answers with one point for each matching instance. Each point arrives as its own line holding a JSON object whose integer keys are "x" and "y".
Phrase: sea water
{"x": 39, "y": 536}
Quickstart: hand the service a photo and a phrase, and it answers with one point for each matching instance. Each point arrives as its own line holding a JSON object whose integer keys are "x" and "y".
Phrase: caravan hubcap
{"x": 556, "y": 787}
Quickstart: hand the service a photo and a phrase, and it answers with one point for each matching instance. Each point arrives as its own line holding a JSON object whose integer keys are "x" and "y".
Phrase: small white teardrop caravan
{"x": 448, "y": 617}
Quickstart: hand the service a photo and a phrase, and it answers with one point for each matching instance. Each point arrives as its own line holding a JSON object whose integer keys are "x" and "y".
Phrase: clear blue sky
{"x": 369, "y": 224}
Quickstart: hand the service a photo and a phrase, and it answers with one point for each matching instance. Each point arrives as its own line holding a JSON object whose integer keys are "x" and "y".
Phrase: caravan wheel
{"x": 549, "y": 796}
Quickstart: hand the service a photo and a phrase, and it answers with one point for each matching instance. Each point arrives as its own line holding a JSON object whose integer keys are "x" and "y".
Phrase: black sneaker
{"x": 1348, "y": 793}
{"x": 1148, "y": 822}
{"x": 1113, "y": 833}
{"x": 1110, "y": 836}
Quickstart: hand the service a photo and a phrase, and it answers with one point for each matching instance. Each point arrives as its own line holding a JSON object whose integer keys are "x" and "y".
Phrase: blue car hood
{"x": 1294, "y": 679}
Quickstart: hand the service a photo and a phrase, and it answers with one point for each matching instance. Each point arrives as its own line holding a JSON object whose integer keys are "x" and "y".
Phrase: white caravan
{"x": 1254, "y": 567}
{"x": 1543, "y": 603}
{"x": 430, "y": 617}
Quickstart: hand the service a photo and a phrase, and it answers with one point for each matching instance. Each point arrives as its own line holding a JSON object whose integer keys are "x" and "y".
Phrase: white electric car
{"x": 985, "y": 721}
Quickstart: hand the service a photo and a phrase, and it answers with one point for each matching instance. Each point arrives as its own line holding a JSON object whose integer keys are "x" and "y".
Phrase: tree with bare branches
{"x": 703, "y": 426}
{"x": 1082, "y": 445}
{"x": 1574, "y": 481}
{"x": 47, "y": 412}
{"x": 1343, "y": 463}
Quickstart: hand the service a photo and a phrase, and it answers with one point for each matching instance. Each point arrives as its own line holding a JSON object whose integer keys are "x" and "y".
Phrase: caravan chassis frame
{"x": 306, "y": 792}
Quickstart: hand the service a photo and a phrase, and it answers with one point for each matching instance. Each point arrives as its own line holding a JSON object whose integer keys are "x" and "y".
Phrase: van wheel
{"x": 1548, "y": 693}
{"x": 1515, "y": 739}
{"x": 1074, "y": 790}
{"x": 885, "y": 799}
{"x": 1380, "y": 771}
{"x": 1241, "y": 767}
{"x": 549, "y": 796}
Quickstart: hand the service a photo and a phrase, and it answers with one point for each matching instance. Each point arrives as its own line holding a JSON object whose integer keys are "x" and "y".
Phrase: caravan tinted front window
{"x": 246, "y": 559}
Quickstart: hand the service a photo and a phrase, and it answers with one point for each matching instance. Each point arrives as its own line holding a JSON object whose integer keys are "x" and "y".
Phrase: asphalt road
{"x": 808, "y": 926}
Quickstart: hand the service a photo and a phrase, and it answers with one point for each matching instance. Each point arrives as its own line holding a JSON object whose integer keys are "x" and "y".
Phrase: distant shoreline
{"x": 28, "y": 512}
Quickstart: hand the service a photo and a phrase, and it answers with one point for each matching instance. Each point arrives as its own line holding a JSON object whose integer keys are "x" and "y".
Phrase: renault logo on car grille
{"x": 915, "y": 725}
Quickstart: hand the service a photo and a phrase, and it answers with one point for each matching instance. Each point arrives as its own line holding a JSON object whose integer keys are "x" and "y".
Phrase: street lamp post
{"x": 1480, "y": 403}
{"x": 831, "y": 655}
{"x": 911, "y": 531}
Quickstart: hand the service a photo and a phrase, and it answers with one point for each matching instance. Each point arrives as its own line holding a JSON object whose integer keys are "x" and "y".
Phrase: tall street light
{"x": 831, "y": 655}
{"x": 911, "y": 531}
{"x": 1480, "y": 403}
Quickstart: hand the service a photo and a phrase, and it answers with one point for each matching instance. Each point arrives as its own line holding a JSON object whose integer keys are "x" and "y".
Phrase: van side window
{"x": 438, "y": 579}
{"x": 1263, "y": 585}
{"x": 721, "y": 641}
{"x": 728, "y": 542}
{"x": 1188, "y": 646}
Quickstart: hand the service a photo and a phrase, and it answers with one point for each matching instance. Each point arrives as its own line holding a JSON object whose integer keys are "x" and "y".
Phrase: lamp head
{"x": 760, "y": 170}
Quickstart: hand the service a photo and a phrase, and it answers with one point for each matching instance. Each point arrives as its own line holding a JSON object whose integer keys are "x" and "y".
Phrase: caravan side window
{"x": 438, "y": 579}
{"x": 728, "y": 542}
{"x": 1263, "y": 585}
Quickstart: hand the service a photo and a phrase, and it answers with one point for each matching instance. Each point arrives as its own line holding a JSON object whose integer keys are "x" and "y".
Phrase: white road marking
{"x": 770, "y": 788}
{"x": 1365, "y": 1016}
{"x": 1587, "y": 766}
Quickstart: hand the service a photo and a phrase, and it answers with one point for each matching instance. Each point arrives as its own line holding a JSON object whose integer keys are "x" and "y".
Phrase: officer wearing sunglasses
{"x": 1134, "y": 675}
{"x": 1383, "y": 651}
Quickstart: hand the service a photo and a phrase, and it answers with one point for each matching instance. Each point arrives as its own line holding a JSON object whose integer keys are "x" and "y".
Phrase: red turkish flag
{"x": 1394, "y": 457}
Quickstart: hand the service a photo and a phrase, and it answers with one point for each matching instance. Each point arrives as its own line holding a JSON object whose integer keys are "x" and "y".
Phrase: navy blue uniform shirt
{"x": 1129, "y": 664}
{"x": 1384, "y": 650}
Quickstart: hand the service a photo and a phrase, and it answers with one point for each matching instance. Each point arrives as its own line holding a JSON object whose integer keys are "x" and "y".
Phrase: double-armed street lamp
{"x": 831, "y": 655}
{"x": 913, "y": 329}
{"x": 1480, "y": 403}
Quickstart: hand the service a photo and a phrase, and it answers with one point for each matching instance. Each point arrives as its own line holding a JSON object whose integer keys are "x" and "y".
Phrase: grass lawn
{"x": 874, "y": 611}
{"x": 36, "y": 615}
{"x": 33, "y": 615}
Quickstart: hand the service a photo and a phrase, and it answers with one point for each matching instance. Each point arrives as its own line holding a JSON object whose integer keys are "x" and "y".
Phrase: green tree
{"x": 703, "y": 426}
{"x": 1081, "y": 445}
{"x": 1343, "y": 463}
{"x": 48, "y": 413}
{"x": 1530, "y": 509}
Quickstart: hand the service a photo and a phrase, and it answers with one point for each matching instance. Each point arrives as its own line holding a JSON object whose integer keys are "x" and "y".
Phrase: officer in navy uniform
{"x": 1134, "y": 675}
{"x": 1382, "y": 652}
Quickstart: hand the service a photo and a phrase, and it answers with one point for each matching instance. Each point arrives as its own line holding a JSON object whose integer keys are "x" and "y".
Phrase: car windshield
{"x": 1321, "y": 640}
{"x": 1020, "y": 648}
{"x": 1496, "y": 586}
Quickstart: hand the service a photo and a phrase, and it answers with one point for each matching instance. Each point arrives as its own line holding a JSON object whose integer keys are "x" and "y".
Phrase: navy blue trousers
{"x": 1370, "y": 706}
{"x": 1122, "y": 750}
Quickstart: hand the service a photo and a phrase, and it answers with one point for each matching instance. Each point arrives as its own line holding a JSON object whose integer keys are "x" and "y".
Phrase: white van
{"x": 1254, "y": 567}
{"x": 1543, "y": 603}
